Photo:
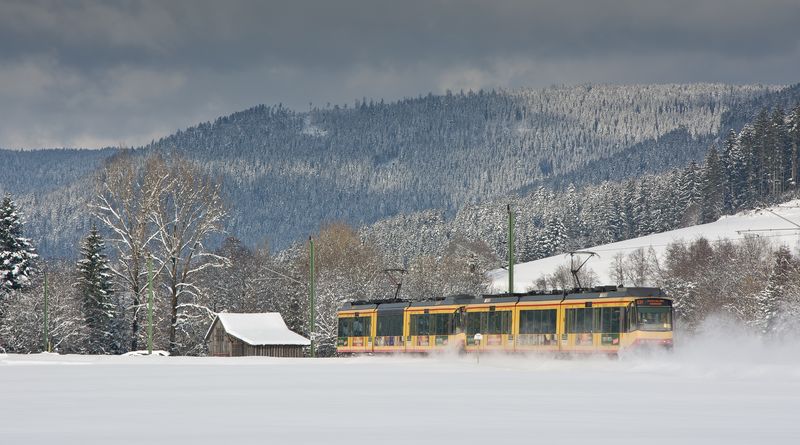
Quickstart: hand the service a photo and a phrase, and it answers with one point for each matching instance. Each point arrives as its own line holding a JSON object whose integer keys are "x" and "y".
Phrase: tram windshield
{"x": 654, "y": 318}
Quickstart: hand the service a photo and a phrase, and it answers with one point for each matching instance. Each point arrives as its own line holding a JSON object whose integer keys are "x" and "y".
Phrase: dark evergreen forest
{"x": 754, "y": 167}
{"x": 287, "y": 173}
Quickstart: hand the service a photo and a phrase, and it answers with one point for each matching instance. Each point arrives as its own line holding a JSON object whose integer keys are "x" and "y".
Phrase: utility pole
{"x": 311, "y": 290}
{"x": 510, "y": 250}
{"x": 149, "y": 304}
{"x": 46, "y": 326}
{"x": 794, "y": 164}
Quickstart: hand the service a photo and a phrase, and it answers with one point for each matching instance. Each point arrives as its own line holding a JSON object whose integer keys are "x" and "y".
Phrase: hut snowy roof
{"x": 258, "y": 329}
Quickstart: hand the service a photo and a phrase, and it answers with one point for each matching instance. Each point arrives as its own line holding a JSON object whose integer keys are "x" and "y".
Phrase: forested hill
{"x": 286, "y": 172}
{"x": 753, "y": 168}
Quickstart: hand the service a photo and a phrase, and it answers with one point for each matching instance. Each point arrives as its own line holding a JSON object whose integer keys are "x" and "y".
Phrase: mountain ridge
{"x": 285, "y": 172}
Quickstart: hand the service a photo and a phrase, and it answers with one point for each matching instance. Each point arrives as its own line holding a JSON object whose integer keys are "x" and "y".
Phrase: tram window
{"x": 442, "y": 324}
{"x": 654, "y": 318}
{"x": 473, "y": 323}
{"x": 537, "y": 321}
{"x": 630, "y": 319}
{"x": 459, "y": 320}
{"x": 493, "y": 323}
{"x": 498, "y": 322}
{"x": 358, "y": 329}
{"x": 609, "y": 319}
{"x": 580, "y": 320}
{"x": 548, "y": 325}
{"x": 345, "y": 327}
{"x": 624, "y": 319}
{"x": 506, "y": 322}
{"x": 390, "y": 325}
{"x": 420, "y": 324}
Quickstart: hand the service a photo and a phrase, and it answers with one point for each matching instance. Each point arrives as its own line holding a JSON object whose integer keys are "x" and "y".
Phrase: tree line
{"x": 752, "y": 168}
{"x": 155, "y": 217}
{"x": 369, "y": 161}
{"x": 162, "y": 212}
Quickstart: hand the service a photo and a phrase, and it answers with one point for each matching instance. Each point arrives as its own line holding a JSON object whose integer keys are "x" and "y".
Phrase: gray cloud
{"x": 89, "y": 74}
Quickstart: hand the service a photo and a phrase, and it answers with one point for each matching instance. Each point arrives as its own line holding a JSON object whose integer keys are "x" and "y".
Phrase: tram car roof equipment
{"x": 465, "y": 299}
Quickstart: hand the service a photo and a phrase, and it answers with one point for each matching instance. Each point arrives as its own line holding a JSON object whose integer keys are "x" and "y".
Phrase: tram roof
{"x": 450, "y": 300}
{"x": 465, "y": 299}
{"x": 595, "y": 293}
{"x": 389, "y": 307}
{"x": 358, "y": 305}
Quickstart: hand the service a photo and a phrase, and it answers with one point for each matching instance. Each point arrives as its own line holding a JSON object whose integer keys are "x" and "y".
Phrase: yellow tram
{"x": 601, "y": 320}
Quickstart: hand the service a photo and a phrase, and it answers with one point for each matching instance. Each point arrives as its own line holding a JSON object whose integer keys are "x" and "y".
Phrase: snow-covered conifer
{"x": 712, "y": 187}
{"x": 769, "y": 301}
{"x": 553, "y": 238}
{"x": 95, "y": 290}
{"x": 17, "y": 254}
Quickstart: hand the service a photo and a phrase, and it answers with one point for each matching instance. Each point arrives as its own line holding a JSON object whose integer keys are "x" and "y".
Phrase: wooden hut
{"x": 265, "y": 334}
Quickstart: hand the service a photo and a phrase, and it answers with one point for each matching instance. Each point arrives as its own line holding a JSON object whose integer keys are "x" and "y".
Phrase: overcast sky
{"x": 92, "y": 74}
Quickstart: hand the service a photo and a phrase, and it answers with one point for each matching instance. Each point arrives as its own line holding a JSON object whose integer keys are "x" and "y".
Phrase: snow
{"x": 766, "y": 224}
{"x": 728, "y": 388}
{"x": 145, "y": 353}
{"x": 259, "y": 329}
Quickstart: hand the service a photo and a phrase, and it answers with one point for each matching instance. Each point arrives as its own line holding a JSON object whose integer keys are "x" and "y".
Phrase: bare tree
{"x": 127, "y": 194}
{"x": 347, "y": 269}
{"x": 641, "y": 267}
{"x": 189, "y": 209}
{"x": 164, "y": 208}
{"x": 617, "y": 272}
{"x": 67, "y": 329}
{"x": 562, "y": 278}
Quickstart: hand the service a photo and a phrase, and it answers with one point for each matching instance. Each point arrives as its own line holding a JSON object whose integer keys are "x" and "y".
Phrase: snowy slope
{"x": 738, "y": 390}
{"x": 766, "y": 224}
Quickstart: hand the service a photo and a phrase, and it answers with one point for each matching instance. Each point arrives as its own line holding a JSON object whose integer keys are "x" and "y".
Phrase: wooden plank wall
{"x": 223, "y": 345}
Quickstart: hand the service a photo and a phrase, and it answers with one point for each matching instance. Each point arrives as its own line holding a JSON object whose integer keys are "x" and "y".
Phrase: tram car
{"x": 601, "y": 320}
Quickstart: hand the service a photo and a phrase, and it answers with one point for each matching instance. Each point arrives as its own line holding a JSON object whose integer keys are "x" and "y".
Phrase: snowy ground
{"x": 764, "y": 223}
{"x": 729, "y": 389}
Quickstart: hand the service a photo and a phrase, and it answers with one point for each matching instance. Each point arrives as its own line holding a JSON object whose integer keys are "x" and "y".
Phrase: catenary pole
{"x": 311, "y": 290}
{"x": 510, "y": 250}
{"x": 46, "y": 326}
{"x": 149, "y": 304}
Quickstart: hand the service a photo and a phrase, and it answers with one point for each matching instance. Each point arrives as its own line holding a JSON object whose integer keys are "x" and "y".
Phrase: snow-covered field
{"x": 761, "y": 223}
{"x": 727, "y": 389}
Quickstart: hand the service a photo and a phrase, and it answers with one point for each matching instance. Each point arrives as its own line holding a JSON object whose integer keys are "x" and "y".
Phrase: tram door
{"x": 460, "y": 320}
{"x": 460, "y": 326}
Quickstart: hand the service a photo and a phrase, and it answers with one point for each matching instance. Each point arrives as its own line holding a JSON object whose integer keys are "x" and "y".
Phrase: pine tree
{"x": 737, "y": 171}
{"x": 712, "y": 187}
{"x": 784, "y": 137}
{"x": 774, "y": 294}
{"x": 95, "y": 288}
{"x": 689, "y": 196}
{"x": 778, "y": 140}
{"x": 727, "y": 161}
{"x": 748, "y": 148}
{"x": 554, "y": 237}
{"x": 761, "y": 155}
{"x": 17, "y": 254}
{"x": 793, "y": 128}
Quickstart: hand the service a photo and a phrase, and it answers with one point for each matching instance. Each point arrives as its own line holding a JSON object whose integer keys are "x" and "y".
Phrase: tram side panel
{"x": 648, "y": 323}
{"x": 536, "y": 327}
{"x": 494, "y": 323}
{"x": 390, "y": 330}
{"x": 530, "y": 323}
{"x": 592, "y": 326}
{"x": 356, "y": 331}
{"x": 433, "y": 328}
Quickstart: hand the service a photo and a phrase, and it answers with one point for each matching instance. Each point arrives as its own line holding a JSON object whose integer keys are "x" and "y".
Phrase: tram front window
{"x": 654, "y": 318}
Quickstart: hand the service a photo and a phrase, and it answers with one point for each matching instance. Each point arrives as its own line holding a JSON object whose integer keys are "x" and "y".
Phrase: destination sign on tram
{"x": 653, "y": 302}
